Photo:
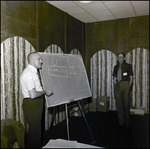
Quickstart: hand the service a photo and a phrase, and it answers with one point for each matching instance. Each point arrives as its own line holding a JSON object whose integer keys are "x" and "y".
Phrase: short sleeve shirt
{"x": 29, "y": 79}
{"x": 126, "y": 71}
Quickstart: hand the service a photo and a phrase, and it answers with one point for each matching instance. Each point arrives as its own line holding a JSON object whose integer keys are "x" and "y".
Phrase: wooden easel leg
{"x": 67, "y": 121}
{"x": 93, "y": 142}
{"x": 53, "y": 118}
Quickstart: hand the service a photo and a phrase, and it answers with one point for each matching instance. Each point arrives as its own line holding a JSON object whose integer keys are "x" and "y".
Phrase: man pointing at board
{"x": 33, "y": 99}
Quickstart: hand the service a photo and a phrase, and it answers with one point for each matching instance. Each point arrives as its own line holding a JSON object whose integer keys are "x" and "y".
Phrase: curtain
{"x": 102, "y": 64}
{"x": 14, "y": 51}
{"x": 139, "y": 58}
{"x": 75, "y": 51}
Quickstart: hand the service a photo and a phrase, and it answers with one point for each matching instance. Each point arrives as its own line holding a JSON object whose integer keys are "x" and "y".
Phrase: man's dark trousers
{"x": 33, "y": 109}
{"x": 122, "y": 97}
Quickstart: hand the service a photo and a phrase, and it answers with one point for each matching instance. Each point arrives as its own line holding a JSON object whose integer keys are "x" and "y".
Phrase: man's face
{"x": 38, "y": 61}
{"x": 120, "y": 58}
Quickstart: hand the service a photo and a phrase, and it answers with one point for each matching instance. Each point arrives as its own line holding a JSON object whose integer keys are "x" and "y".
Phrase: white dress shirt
{"x": 29, "y": 79}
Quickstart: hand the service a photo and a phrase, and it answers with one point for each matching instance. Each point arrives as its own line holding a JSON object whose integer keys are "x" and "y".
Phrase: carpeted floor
{"x": 103, "y": 126}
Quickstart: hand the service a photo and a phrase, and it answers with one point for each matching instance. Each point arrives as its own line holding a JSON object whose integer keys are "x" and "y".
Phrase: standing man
{"x": 33, "y": 99}
{"x": 123, "y": 79}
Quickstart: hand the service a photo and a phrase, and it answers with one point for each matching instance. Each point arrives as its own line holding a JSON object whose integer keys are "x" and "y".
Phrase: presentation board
{"x": 65, "y": 75}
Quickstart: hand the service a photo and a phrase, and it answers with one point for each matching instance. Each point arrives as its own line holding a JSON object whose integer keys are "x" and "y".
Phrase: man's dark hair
{"x": 122, "y": 54}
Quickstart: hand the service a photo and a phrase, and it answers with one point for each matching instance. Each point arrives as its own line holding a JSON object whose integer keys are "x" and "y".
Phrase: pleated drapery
{"x": 139, "y": 58}
{"x": 75, "y": 51}
{"x": 14, "y": 51}
{"x": 102, "y": 64}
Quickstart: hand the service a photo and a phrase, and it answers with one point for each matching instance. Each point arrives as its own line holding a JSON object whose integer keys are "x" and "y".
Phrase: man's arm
{"x": 34, "y": 94}
{"x": 114, "y": 80}
{"x": 131, "y": 81}
{"x": 114, "y": 76}
{"x": 131, "y": 76}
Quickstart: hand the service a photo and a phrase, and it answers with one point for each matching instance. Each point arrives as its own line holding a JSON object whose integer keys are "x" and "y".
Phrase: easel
{"x": 67, "y": 120}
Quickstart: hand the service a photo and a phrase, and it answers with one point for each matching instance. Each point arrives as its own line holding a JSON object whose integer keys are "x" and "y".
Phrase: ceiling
{"x": 96, "y": 11}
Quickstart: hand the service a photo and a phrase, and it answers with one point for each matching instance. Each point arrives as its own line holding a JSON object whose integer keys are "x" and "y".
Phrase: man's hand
{"x": 48, "y": 93}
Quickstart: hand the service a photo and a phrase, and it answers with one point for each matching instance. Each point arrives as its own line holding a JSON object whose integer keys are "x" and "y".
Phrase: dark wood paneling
{"x": 19, "y": 19}
{"x": 17, "y": 10}
{"x": 122, "y": 35}
{"x": 50, "y": 26}
{"x": 74, "y": 35}
{"x": 12, "y": 26}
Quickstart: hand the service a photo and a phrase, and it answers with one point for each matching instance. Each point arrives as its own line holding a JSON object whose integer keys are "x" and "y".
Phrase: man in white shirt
{"x": 33, "y": 101}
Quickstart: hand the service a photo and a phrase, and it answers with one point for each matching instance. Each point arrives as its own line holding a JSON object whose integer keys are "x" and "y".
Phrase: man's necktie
{"x": 119, "y": 74}
{"x": 38, "y": 72}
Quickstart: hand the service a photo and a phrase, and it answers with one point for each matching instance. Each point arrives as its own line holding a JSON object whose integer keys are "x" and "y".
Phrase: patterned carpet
{"x": 105, "y": 132}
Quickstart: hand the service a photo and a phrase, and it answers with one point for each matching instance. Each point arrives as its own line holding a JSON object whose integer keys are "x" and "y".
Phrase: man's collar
{"x": 122, "y": 63}
{"x": 32, "y": 68}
